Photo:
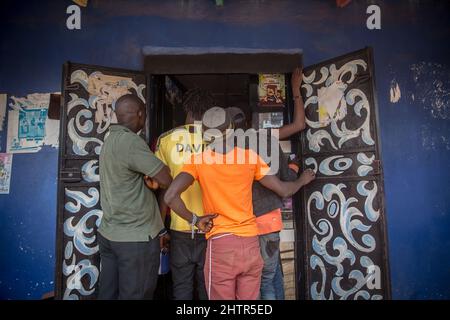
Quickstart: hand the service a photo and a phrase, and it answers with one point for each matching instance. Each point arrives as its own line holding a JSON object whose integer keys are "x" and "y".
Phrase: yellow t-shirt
{"x": 173, "y": 148}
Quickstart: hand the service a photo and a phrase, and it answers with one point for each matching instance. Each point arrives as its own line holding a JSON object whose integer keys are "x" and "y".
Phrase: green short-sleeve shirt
{"x": 130, "y": 209}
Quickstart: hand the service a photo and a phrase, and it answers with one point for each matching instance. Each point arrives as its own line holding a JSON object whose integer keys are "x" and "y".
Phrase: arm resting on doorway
{"x": 287, "y": 188}
{"x": 298, "y": 124}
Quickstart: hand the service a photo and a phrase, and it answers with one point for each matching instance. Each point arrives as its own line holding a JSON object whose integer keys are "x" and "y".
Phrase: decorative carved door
{"x": 88, "y": 103}
{"x": 342, "y": 253}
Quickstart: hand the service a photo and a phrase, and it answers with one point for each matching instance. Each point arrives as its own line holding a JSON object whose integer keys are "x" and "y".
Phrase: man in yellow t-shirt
{"x": 187, "y": 255}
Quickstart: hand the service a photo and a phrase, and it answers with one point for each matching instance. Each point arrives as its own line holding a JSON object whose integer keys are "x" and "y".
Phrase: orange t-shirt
{"x": 227, "y": 188}
{"x": 270, "y": 222}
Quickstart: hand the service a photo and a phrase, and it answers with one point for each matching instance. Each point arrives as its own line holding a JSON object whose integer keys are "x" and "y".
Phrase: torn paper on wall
{"x": 2, "y": 110}
{"x": 332, "y": 104}
{"x": 5, "y": 172}
{"x": 28, "y": 125}
{"x": 395, "y": 93}
{"x": 106, "y": 89}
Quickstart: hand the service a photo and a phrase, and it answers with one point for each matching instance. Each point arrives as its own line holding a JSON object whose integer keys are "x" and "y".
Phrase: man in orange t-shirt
{"x": 267, "y": 204}
{"x": 233, "y": 260}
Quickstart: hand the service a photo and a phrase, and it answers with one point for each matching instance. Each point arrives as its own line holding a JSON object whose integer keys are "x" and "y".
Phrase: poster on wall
{"x": 270, "y": 120}
{"x": 5, "y": 172}
{"x": 29, "y": 127}
{"x": 2, "y": 116}
{"x": 105, "y": 90}
{"x": 2, "y": 110}
{"x": 271, "y": 90}
{"x": 332, "y": 105}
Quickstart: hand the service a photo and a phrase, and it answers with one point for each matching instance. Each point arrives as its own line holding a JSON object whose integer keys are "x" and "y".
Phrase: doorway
{"x": 228, "y": 90}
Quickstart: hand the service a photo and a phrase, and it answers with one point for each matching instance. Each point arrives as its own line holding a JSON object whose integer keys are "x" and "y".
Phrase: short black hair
{"x": 197, "y": 101}
{"x": 132, "y": 98}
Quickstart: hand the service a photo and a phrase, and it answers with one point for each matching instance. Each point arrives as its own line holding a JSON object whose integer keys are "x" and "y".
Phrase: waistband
{"x": 187, "y": 235}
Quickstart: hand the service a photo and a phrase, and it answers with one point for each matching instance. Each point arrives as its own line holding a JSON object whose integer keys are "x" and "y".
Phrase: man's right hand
{"x": 164, "y": 242}
{"x": 307, "y": 176}
{"x": 205, "y": 222}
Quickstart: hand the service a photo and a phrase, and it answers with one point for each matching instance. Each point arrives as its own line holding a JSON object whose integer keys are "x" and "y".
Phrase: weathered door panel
{"x": 89, "y": 96}
{"x": 342, "y": 253}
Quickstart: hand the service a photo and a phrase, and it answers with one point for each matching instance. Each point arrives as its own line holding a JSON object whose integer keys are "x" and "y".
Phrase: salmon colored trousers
{"x": 233, "y": 267}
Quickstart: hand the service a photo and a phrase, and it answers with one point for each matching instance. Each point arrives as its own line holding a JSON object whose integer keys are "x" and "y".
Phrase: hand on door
{"x": 307, "y": 176}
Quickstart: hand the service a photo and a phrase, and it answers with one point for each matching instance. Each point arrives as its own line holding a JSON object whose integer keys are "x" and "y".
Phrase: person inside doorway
{"x": 267, "y": 204}
{"x": 233, "y": 261}
{"x": 187, "y": 250}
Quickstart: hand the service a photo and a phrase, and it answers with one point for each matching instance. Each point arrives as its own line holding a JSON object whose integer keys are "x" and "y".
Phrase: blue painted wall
{"x": 411, "y": 49}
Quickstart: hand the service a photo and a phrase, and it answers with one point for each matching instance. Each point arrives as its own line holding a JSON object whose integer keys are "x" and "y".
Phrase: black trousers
{"x": 129, "y": 270}
{"x": 187, "y": 258}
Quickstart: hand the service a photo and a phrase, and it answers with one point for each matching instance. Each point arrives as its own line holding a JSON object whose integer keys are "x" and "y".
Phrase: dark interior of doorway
{"x": 229, "y": 90}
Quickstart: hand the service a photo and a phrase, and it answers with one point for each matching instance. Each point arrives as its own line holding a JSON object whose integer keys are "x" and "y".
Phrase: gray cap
{"x": 216, "y": 118}
{"x": 237, "y": 116}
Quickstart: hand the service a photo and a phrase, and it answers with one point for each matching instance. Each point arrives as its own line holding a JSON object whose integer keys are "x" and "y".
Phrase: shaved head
{"x": 130, "y": 112}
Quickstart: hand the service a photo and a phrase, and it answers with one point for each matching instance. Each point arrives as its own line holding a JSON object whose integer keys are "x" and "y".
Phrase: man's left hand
{"x": 296, "y": 79}
{"x": 152, "y": 184}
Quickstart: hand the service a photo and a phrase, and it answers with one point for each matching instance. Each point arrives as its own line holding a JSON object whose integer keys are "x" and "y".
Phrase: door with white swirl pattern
{"x": 89, "y": 94}
{"x": 341, "y": 235}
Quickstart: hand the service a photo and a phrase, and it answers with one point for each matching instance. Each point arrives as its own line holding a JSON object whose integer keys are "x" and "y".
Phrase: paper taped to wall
{"x": 2, "y": 110}
{"x": 5, "y": 172}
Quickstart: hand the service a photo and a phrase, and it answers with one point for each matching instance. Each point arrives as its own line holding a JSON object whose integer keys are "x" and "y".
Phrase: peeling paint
{"x": 432, "y": 88}
{"x": 395, "y": 92}
{"x": 432, "y": 140}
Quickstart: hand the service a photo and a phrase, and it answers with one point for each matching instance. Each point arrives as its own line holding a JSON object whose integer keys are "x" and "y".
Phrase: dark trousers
{"x": 129, "y": 270}
{"x": 187, "y": 258}
{"x": 270, "y": 252}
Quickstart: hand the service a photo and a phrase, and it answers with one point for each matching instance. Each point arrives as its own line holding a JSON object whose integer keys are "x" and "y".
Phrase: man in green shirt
{"x": 131, "y": 223}
{"x": 128, "y": 233}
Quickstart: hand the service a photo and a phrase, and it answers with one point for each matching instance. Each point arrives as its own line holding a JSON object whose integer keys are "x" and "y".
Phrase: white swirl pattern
{"x": 366, "y": 162}
{"x": 82, "y": 235}
{"x": 349, "y": 217}
{"x": 88, "y": 200}
{"x": 340, "y": 164}
{"x": 89, "y": 171}
{"x": 329, "y": 76}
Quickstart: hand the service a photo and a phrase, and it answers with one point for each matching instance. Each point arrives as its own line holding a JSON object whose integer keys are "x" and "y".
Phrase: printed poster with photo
{"x": 271, "y": 90}
{"x": 269, "y": 120}
{"x": 29, "y": 127}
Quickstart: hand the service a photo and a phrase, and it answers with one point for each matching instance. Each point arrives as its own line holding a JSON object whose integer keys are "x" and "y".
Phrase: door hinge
{"x": 377, "y": 168}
